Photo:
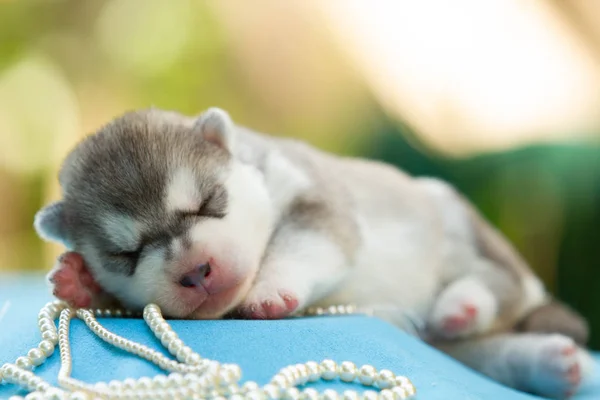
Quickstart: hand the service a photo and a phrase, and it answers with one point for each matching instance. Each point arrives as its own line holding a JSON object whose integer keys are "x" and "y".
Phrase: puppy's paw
{"x": 559, "y": 367}
{"x": 459, "y": 321}
{"x": 267, "y": 302}
{"x": 72, "y": 281}
{"x": 465, "y": 308}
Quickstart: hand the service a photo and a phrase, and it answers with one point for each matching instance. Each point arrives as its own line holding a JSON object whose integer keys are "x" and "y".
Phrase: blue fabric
{"x": 261, "y": 348}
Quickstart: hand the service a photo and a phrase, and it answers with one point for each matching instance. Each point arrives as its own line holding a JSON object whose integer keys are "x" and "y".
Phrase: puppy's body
{"x": 205, "y": 218}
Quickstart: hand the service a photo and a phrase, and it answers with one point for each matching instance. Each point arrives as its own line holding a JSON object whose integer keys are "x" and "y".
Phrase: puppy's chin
{"x": 218, "y": 305}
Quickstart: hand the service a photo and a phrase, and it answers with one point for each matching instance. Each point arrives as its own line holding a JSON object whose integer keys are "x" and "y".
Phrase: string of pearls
{"x": 190, "y": 376}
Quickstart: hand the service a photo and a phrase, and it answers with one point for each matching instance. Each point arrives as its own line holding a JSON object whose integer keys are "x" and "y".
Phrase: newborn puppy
{"x": 206, "y": 218}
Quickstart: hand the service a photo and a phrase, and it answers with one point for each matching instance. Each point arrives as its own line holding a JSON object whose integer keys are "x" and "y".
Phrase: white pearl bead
{"x": 367, "y": 375}
{"x": 175, "y": 379}
{"x": 328, "y": 370}
{"x": 190, "y": 378}
{"x": 255, "y": 395}
{"x": 54, "y": 394}
{"x": 314, "y": 373}
{"x": 385, "y": 379}
{"x": 103, "y": 387}
{"x": 249, "y": 386}
{"x": 51, "y": 336}
{"x": 78, "y": 396}
{"x": 410, "y": 389}
{"x": 167, "y": 338}
{"x": 193, "y": 359}
{"x": 160, "y": 381}
{"x": 289, "y": 376}
{"x": 300, "y": 374}
{"x": 128, "y": 383}
{"x": 174, "y": 347}
{"x": 35, "y": 396}
{"x": 309, "y": 394}
{"x": 291, "y": 393}
{"x": 330, "y": 394}
{"x": 347, "y": 371}
{"x": 236, "y": 373}
{"x": 225, "y": 376}
{"x": 402, "y": 381}
{"x": 400, "y": 392}
{"x": 46, "y": 326}
{"x": 386, "y": 394}
{"x": 36, "y": 356}
{"x": 144, "y": 383}
{"x": 369, "y": 395}
{"x": 272, "y": 391}
{"x": 112, "y": 385}
{"x": 24, "y": 362}
{"x": 280, "y": 381}
{"x": 350, "y": 395}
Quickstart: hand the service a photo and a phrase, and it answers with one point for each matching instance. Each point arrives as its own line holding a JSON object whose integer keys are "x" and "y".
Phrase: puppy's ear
{"x": 50, "y": 223}
{"x": 216, "y": 126}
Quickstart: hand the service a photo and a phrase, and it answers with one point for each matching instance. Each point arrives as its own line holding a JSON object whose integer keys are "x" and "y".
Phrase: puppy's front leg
{"x": 300, "y": 267}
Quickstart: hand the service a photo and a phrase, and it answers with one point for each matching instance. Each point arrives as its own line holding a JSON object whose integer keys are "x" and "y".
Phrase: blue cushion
{"x": 261, "y": 348}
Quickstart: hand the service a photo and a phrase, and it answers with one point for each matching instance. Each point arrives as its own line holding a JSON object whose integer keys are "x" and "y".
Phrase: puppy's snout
{"x": 196, "y": 276}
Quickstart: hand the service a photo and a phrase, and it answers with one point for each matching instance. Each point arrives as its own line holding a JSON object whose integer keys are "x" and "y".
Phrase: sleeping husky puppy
{"x": 206, "y": 219}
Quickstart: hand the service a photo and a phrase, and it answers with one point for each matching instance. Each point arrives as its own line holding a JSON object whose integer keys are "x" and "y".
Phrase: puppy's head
{"x": 163, "y": 212}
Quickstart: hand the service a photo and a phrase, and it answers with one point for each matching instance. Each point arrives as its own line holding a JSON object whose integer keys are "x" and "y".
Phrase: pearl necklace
{"x": 191, "y": 376}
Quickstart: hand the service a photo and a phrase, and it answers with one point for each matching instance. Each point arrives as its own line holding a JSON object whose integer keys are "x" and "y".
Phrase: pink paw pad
{"x": 73, "y": 282}
{"x": 559, "y": 371}
{"x": 273, "y": 308}
{"x": 458, "y": 322}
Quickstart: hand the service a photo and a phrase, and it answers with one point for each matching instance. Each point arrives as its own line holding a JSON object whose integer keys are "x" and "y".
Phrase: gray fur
{"x": 50, "y": 223}
{"x": 556, "y": 317}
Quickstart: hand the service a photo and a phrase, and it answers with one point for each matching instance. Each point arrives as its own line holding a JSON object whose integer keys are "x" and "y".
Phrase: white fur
{"x": 396, "y": 269}
{"x": 284, "y": 181}
{"x": 534, "y": 294}
{"x": 305, "y": 264}
{"x": 122, "y": 230}
{"x": 243, "y": 233}
{"x": 182, "y": 192}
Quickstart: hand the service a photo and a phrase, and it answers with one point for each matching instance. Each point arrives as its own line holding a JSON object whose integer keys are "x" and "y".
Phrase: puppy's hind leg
{"x": 487, "y": 284}
{"x": 465, "y": 307}
{"x": 548, "y": 365}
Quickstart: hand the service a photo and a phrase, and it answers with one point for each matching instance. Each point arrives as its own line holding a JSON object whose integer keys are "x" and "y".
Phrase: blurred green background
{"x": 501, "y": 98}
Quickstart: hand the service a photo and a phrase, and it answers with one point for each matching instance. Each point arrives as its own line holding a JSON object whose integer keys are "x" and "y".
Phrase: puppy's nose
{"x": 195, "y": 277}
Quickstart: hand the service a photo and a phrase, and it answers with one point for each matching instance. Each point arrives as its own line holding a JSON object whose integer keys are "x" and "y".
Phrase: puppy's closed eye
{"x": 213, "y": 206}
{"x": 127, "y": 255}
